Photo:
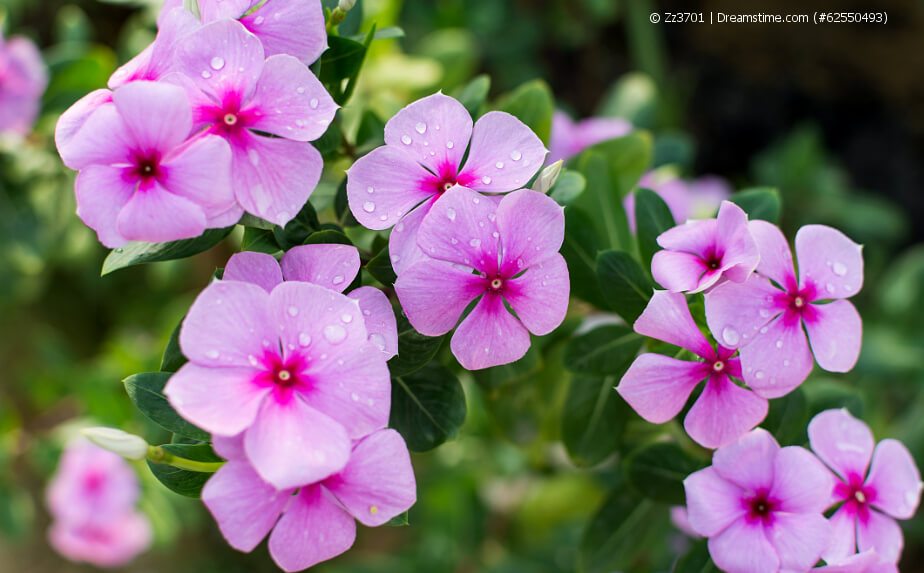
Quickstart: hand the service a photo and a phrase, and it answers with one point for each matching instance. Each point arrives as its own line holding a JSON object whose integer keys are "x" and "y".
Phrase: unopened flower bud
{"x": 346, "y": 5}
{"x": 127, "y": 445}
{"x": 547, "y": 177}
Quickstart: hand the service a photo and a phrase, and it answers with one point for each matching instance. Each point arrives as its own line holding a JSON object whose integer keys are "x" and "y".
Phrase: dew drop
{"x": 368, "y": 206}
{"x": 334, "y": 333}
{"x": 476, "y": 200}
{"x": 300, "y": 90}
{"x": 786, "y": 363}
{"x": 475, "y": 242}
{"x": 206, "y": 74}
{"x": 515, "y": 155}
{"x": 254, "y": 157}
{"x": 730, "y": 336}
{"x": 337, "y": 279}
{"x": 764, "y": 330}
{"x": 839, "y": 269}
{"x": 354, "y": 396}
{"x": 252, "y": 359}
{"x": 454, "y": 240}
{"x": 258, "y": 20}
{"x": 304, "y": 339}
{"x": 346, "y": 318}
{"x": 421, "y": 127}
{"x": 449, "y": 145}
{"x": 378, "y": 340}
{"x": 406, "y": 139}
{"x": 293, "y": 311}
{"x": 451, "y": 214}
{"x": 486, "y": 180}
{"x": 492, "y": 217}
{"x": 313, "y": 102}
{"x": 759, "y": 374}
{"x": 829, "y": 287}
{"x": 779, "y": 344}
{"x": 213, "y": 354}
{"x": 499, "y": 165}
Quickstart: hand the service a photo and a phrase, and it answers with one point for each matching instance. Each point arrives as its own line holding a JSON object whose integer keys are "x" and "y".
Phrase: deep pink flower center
{"x": 496, "y": 284}
{"x": 718, "y": 366}
{"x": 147, "y": 167}
{"x": 799, "y": 299}
{"x": 761, "y": 507}
{"x": 230, "y": 119}
{"x": 854, "y": 491}
{"x": 93, "y": 482}
{"x": 283, "y": 374}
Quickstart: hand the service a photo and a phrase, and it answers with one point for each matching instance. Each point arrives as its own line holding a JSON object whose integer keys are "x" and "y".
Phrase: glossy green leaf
{"x": 400, "y": 520}
{"x": 593, "y": 419}
{"x": 380, "y": 268}
{"x": 146, "y": 390}
{"x": 580, "y": 249}
{"x": 298, "y": 229}
{"x": 330, "y": 140}
{"x": 620, "y": 532}
{"x": 607, "y": 350}
{"x": 473, "y": 94}
{"x": 652, "y": 217}
{"x": 427, "y": 407}
{"x": 259, "y": 240}
{"x": 414, "y": 349}
{"x": 493, "y": 377}
{"x": 533, "y": 104}
{"x": 387, "y": 33}
{"x": 657, "y": 471}
{"x": 788, "y": 417}
{"x": 371, "y": 132}
{"x": 184, "y": 482}
{"x": 625, "y": 285}
{"x": 759, "y": 203}
{"x": 342, "y": 59}
{"x": 328, "y": 237}
{"x": 568, "y": 187}
{"x": 695, "y": 560}
{"x": 136, "y": 253}
{"x": 173, "y": 357}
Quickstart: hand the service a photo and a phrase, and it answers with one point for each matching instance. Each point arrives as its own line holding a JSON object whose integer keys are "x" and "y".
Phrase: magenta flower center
{"x": 497, "y": 284}
{"x": 146, "y": 167}
{"x": 760, "y": 507}
{"x": 230, "y": 119}
{"x": 718, "y": 366}
{"x": 854, "y": 492}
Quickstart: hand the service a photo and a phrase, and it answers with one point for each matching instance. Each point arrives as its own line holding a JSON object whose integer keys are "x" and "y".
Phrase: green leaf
{"x": 619, "y": 533}
{"x": 398, "y": 521}
{"x": 387, "y": 33}
{"x": 607, "y": 350}
{"x": 371, "y": 132}
{"x": 248, "y": 220}
{"x": 329, "y": 142}
{"x": 473, "y": 94}
{"x": 414, "y": 349}
{"x": 633, "y": 97}
{"x": 427, "y": 407}
{"x": 533, "y": 104}
{"x": 759, "y": 203}
{"x": 136, "y": 253}
{"x": 146, "y": 390}
{"x": 788, "y": 417}
{"x": 580, "y": 250}
{"x": 626, "y": 287}
{"x": 173, "y": 357}
{"x": 652, "y": 217}
{"x": 380, "y": 268}
{"x": 342, "y": 59}
{"x": 657, "y": 471}
{"x": 342, "y": 207}
{"x": 259, "y": 240}
{"x": 328, "y": 237}
{"x": 495, "y": 376}
{"x": 568, "y": 187}
{"x": 696, "y": 560}
{"x": 298, "y": 229}
{"x": 593, "y": 419}
{"x": 184, "y": 482}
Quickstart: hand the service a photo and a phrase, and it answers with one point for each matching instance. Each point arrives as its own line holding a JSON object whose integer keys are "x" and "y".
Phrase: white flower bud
{"x": 127, "y": 445}
{"x": 346, "y": 5}
{"x": 547, "y": 177}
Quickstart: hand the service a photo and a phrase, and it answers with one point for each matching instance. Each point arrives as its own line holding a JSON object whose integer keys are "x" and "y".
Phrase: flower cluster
{"x": 23, "y": 79}
{"x": 211, "y": 120}
{"x": 92, "y": 500}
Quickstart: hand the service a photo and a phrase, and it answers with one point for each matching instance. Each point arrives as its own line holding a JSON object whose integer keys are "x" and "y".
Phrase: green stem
{"x": 161, "y": 456}
{"x": 336, "y": 17}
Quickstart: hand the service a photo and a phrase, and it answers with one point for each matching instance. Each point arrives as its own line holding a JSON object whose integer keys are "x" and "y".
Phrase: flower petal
{"x": 255, "y": 268}
{"x": 829, "y": 260}
{"x": 734, "y": 243}
{"x": 531, "y": 226}
{"x": 667, "y": 317}
{"x": 882, "y": 533}
{"x": 331, "y": 266}
{"x": 694, "y": 237}
{"x": 504, "y": 155}
{"x": 835, "y": 331}
{"x": 735, "y": 312}
{"x": 201, "y": 172}
{"x": 461, "y": 228}
{"x": 723, "y": 413}
{"x": 657, "y": 386}
{"x": 540, "y": 295}
{"x": 222, "y": 401}
{"x": 843, "y": 541}
{"x": 70, "y": 122}
{"x": 680, "y": 272}
{"x": 801, "y": 484}
{"x": 778, "y": 358}
{"x": 749, "y": 462}
{"x": 378, "y": 482}
{"x": 213, "y": 10}
{"x": 314, "y": 529}
{"x": 104, "y": 139}
{"x": 387, "y": 182}
{"x": 775, "y": 254}
{"x": 157, "y": 114}
{"x": 403, "y": 249}
{"x": 744, "y": 548}
{"x": 379, "y": 318}
{"x": 713, "y": 503}
{"x": 291, "y": 27}
{"x": 229, "y": 447}
{"x": 895, "y": 479}
{"x": 844, "y": 443}
{"x": 101, "y": 193}
{"x": 799, "y": 539}
{"x": 434, "y": 131}
{"x": 245, "y": 507}
{"x": 433, "y": 294}
{"x": 489, "y": 336}
{"x": 158, "y": 59}
{"x": 155, "y": 215}
{"x": 222, "y": 59}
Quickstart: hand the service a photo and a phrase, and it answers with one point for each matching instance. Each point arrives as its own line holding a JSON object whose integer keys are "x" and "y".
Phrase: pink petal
{"x": 829, "y": 260}
{"x": 681, "y": 521}
{"x": 331, "y": 266}
{"x": 212, "y": 10}
{"x": 461, "y": 228}
{"x": 437, "y": 130}
{"x": 540, "y": 295}
{"x": 531, "y": 226}
{"x": 657, "y": 386}
{"x": 680, "y": 272}
{"x": 734, "y": 243}
{"x": 799, "y": 539}
{"x": 101, "y": 193}
{"x": 775, "y": 254}
{"x": 489, "y": 336}
{"x": 667, "y": 317}
{"x": 379, "y": 318}
{"x": 736, "y": 312}
{"x": 378, "y": 482}
{"x": 245, "y": 507}
{"x": 749, "y": 462}
{"x": 291, "y": 444}
{"x": 568, "y": 139}
{"x": 694, "y": 237}
{"x": 713, "y": 503}
{"x": 723, "y": 413}
{"x": 895, "y": 479}
{"x": 778, "y": 358}
{"x": 402, "y": 244}
{"x": 229, "y": 447}
{"x": 866, "y": 562}
{"x": 255, "y": 268}
{"x": 227, "y": 324}
{"x": 397, "y": 185}
{"x": 706, "y": 194}
{"x": 158, "y": 115}
{"x": 835, "y": 331}
{"x": 843, "y": 540}
{"x": 882, "y": 533}
{"x": 744, "y": 548}
{"x": 219, "y": 400}
{"x": 110, "y": 544}
{"x": 91, "y": 485}
{"x": 104, "y": 139}
{"x": 844, "y": 443}
{"x": 314, "y": 529}
{"x": 158, "y": 59}
{"x": 801, "y": 484}
{"x": 201, "y": 172}
{"x": 301, "y": 113}
{"x": 504, "y": 155}
{"x": 273, "y": 177}
{"x": 433, "y": 294}
{"x": 291, "y": 27}
{"x": 155, "y": 215}
{"x": 223, "y": 60}
{"x": 75, "y": 116}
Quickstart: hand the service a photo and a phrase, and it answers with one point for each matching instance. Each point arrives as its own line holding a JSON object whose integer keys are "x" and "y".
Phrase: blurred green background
{"x": 833, "y": 116}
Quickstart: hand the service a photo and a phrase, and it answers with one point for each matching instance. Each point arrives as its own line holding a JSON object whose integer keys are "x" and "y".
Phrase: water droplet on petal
{"x": 337, "y": 279}
{"x": 492, "y": 217}
{"x": 730, "y": 336}
{"x": 370, "y": 190}
{"x": 368, "y": 206}
{"x": 304, "y": 339}
{"x": 217, "y": 63}
{"x": 515, "y": 155}
{"x": 486, "y": 180}
{"x": 378, "y": 340}
{"x": 421, "y": 127}
{"x": 254, "y": 157}
{"x": 313, "y": 102}
{"x": 475, "y": 242}
{"x": 454, "y": 240}
{"x": 451, "y": 214}
{"x": 779, "y": 344}
{"x": 206, "y": 74}
{"x": 829, "y": 287}
{"x": 499, "y": 165}
{"x": 759, "y": 374}
{"x": 449, "y": 145}
{"x": 300, "y": 90}
{"x": 354, "y": 397}
{"x": 786, "y": 363}
{"x": 213, "y": 354}
{"x": 406, "y": 139}
{"x": 839, "y": 269}
{"x": 346, "y": 318}
{"x": 258, "y": 20}
{"x": 293, "y": 311}
{"x": 334, "y": 333}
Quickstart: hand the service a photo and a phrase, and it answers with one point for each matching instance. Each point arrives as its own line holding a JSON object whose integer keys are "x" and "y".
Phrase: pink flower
{"x": 425, "y": 143}
{"x": 765, "y": 320}
{"x": 140, "y": 178}
{"x": 658, "y": 386}
{"x": 700, "y": 254}
{"x": 235, "y": 93}
{"x": 568, "y": 138}
{"x": 92, "y": 499}
{"x": 331, "y": 266}
{"x": 873, "y": 494}
{"x": 866, "y": 562}
{"x": 293, "y": 369}
{"x": 174, "y": 25}
{"x": 695, "y": 199}
{"x": 761, "y": 506}
{"x": 318, "y": 523}
{"x": 23, "y": 80}
{"x": 512, "y": 244}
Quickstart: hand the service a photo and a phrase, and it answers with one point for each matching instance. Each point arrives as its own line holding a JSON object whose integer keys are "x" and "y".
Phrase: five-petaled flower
{"x": 761, "y": 506}
{"x": 513, "y": 245}
{"x": 658, "y": 386}
{"x": 764, "y": 316}
{"x": 568, "y": 138}
{"x": 870, "y": 500}
{"x": 23, "y": 79}
{"x": 426, "y": 141}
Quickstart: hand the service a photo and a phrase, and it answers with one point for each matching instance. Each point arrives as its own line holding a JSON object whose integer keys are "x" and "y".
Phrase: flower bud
{"x": 127, "y": 445}
{"x": 547, "y": 177}
{"x": 346, "y": 5}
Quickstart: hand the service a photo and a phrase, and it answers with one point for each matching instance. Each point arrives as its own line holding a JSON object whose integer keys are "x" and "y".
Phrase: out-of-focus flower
{"x": 872, "y": 494}
{"x": 568, "y": 138}
{"x": 697, "y": 199}
{"x": 159, "y": 58}
{"x": 23, "y": 79}
{"x": 92, "y": 500}
{"x": 513, "y": 245}
{"x": 681, "y": 520}
{"x": 399, "y": 182}
{"x": 761, "y": 506}
{"x": 765, "y": 319}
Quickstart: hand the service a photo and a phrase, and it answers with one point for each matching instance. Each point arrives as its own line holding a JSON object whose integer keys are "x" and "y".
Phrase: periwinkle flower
{"x": 398, "y": 183}
{"x": 873, "y": 486}
{"x": 512, "y": 245}
{"x": 699, "y": 254}
{"x": 174, "y": 24}
{"x": 23, "y": 79}
{"x": 761, "y": 506}
{"x": 694, "y": 199}
{"x": 92, "y": 500}
{"x": 568, "y": 138}
{"x": 293, "y": 369}
{"x": 657, "y": 386}
{"x": 764, "y": 316}
{"x": 318, "y": 520}
{"x": 140, "y": 178}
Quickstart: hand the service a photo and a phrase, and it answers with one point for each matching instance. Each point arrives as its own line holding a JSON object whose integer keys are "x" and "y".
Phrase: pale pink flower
{"x": 23, "y": 79}
{"x": 568, "y": 137}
